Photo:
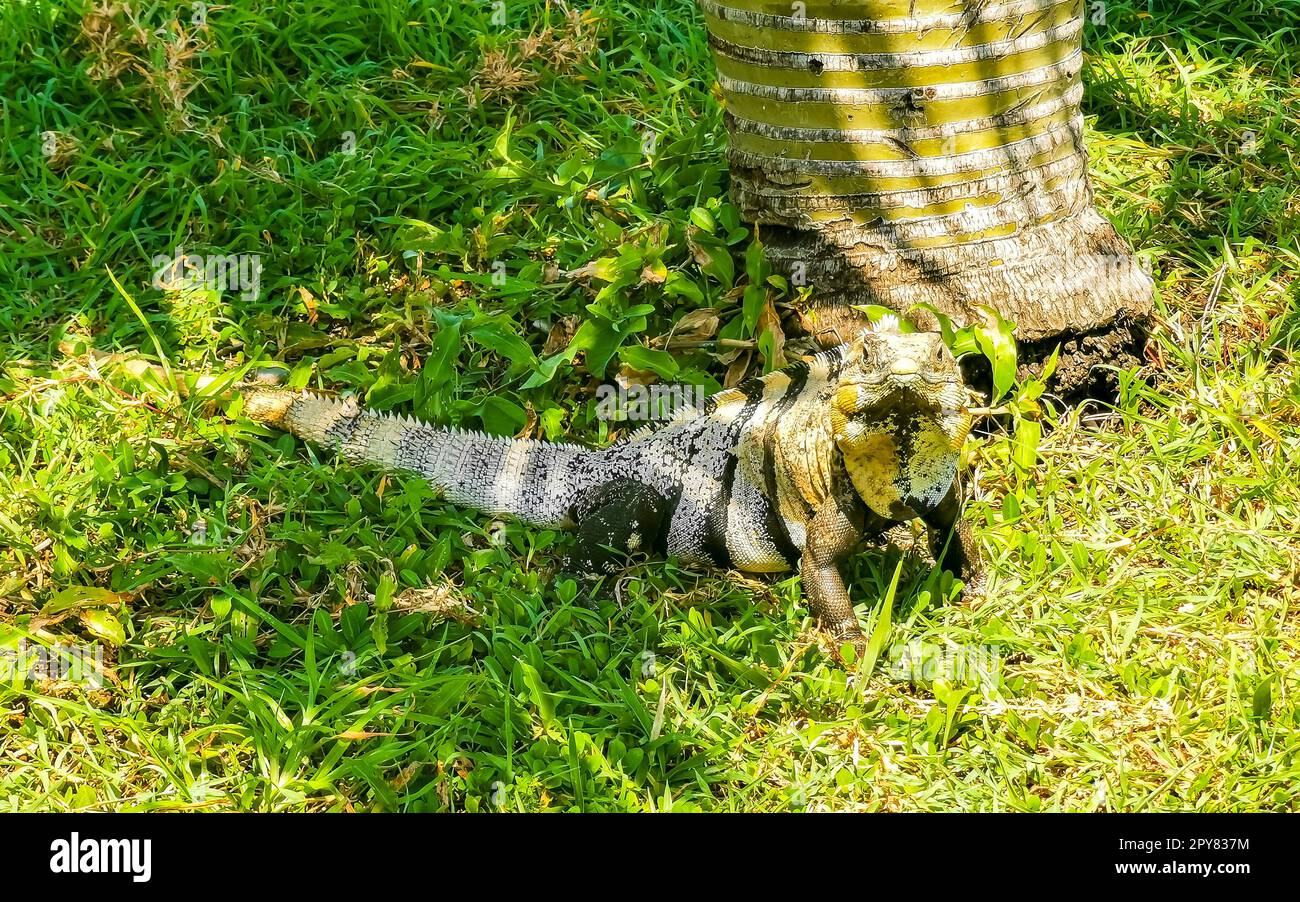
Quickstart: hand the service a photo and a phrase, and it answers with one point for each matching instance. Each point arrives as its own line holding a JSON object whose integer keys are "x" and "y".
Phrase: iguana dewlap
{"x": 792, "y": 469}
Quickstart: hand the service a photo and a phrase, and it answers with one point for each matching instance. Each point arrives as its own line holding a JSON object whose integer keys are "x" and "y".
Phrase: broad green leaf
{"x": 104, "y": 625}
{"x": 757, "y": 268}
{"x": 946, "y": 329}
{"x": 639, "y": 357}
{"x": 997, "y": 344}
{"x": 501, "y": 146}
{"x": 540, "y": 695}
{"x": 384, "y": 592}
{"x": 440, "y": 364}
{"x": 510, "y": 347}
{"x": 502, "y": 417}
{"x": 715, "y": 260}
{"x": 876, "y": 313}
{"x": 1029, "y": 434}
{"x": 392, "y": 387}
{"x": 952, "y": 701}
{"x": 679, "y": 286}
{"x": 547, "y": 369}
{"x": 755, "y": 297}
{"x": 1262, "y": 703}
{"x": 767, "y": 347}
{"x": 379, "y": 632}
{"x": 75, "y": 597}
{"x": 703, "y": 219}
{"x": 600, "y": 340}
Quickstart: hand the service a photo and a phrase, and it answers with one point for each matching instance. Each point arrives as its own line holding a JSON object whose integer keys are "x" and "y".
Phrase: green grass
{"x": 1143, "y": 595}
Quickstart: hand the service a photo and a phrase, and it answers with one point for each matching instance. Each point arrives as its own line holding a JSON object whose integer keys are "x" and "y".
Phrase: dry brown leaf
{"x": 694, "y": 328}
{"x": 654, "y": 274}
{"x": 441, "y": 600}
{"x": 530, "y": 421}
{"x": 562, "y": 332}
{"x": 770, "y": 321}
{"x": 628, "y": 377}
{"x": 405, "y": 775}
{"x": 738, "y": 370}
{"x": 352, "y": 735}
{"x": 309, "y": 301}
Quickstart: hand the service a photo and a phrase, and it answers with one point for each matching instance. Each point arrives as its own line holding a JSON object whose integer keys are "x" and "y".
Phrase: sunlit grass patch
{"x": 283, "y": 632}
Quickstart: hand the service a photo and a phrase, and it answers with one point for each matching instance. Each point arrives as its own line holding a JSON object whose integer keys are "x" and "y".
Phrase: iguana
{"x": 788, "y": 470}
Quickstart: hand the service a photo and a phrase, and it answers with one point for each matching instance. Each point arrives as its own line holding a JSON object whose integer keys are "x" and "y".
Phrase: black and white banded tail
{"x": 534, "y": 481}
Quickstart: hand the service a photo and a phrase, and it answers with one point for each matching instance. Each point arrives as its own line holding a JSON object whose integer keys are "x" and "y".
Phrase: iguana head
{"x": 899, "y": 418}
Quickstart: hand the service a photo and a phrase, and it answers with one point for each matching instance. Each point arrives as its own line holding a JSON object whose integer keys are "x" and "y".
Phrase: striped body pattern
{"x": 871, "y": 429}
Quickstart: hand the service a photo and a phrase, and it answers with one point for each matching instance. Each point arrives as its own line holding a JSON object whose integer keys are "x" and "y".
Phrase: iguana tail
{"x": 534, "y": 481}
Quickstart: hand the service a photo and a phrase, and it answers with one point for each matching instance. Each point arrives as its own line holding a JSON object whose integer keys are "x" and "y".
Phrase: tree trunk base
{"x": 1071, "y": 282}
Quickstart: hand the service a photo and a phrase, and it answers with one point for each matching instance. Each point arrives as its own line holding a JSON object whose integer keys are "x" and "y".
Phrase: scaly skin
{"x": 791, "y": 469}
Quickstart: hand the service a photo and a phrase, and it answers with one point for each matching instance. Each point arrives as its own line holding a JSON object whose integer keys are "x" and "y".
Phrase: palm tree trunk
{"x": 903, "y": 152}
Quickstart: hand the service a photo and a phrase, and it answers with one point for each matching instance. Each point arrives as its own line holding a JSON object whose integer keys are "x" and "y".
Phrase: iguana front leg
{"x": 961, "y": 555}
{"x": 832, "y": 534}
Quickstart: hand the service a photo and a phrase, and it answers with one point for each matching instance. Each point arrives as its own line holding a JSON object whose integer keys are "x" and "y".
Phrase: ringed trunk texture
{"x": 904, "y": 152}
